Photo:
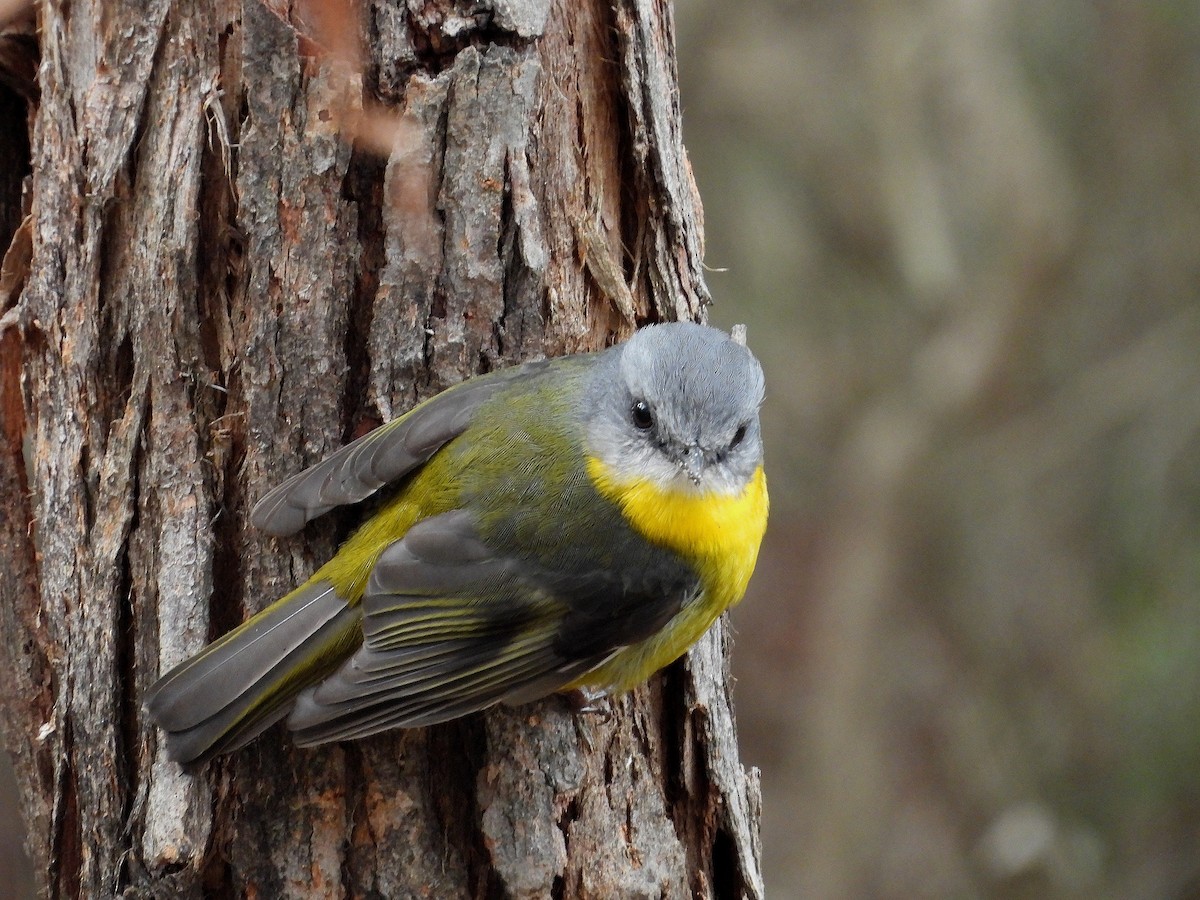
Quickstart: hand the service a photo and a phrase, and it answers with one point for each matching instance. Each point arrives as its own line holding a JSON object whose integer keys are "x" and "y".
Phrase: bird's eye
{"x": 738, "y": 436}
{"x": 641, "y": 415}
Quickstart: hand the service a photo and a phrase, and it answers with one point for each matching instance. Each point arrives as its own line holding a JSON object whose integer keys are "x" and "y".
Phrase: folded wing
{"x": 363, "y": 466}
{"x": 451, "y": 627}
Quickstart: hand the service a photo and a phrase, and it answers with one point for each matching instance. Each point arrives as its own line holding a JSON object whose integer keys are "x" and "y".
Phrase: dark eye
{"x": 738, "y": 436}
{"x": 641, "y": 415}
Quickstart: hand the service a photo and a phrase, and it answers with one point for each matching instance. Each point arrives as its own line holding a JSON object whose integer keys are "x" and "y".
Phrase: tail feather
{"x": 241, "y": 684}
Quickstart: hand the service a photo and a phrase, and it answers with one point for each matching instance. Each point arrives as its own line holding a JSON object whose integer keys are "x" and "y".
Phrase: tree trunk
{"x": 223, "y": 287}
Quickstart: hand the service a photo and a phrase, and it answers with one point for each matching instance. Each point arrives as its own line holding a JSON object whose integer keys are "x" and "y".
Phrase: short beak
{"x": 692, "y": 463}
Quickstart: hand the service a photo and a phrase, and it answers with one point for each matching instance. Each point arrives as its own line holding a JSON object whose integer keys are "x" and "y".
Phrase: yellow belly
{"x": 718, "y": 533}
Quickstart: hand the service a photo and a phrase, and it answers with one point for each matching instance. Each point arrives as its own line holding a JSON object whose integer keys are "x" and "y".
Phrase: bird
{"x": 569, "y": 524}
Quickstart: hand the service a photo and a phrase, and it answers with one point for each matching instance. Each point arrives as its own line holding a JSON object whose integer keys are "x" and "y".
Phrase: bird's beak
{"x": 692, "y": 463}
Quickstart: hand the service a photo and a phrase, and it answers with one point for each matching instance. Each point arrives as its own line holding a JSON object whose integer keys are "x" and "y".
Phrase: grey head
{"x": 678, "y": 404}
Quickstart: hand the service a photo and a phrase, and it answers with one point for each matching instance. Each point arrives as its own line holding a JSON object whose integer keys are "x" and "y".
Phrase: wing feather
{"x": 451, "y": 627}
{"x": 243, "y": 683}
{"x": 389, "y": 452}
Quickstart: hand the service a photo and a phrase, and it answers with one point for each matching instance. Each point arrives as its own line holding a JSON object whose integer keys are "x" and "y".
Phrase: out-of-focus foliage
{"x": 966, "y": 239}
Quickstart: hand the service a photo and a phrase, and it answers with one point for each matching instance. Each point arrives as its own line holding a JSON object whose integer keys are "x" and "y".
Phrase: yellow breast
{"x": 718, "y": 533}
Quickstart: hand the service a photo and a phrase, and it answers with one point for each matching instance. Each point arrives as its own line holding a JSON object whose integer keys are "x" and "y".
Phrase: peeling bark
{"x": 221, "y": 289}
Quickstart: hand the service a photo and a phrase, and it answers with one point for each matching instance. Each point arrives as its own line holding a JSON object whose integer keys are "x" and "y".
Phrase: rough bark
{"x": 220, "y": 289}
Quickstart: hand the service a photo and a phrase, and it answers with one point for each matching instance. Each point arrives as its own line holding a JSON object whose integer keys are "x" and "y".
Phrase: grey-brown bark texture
{"x": 219, "y": 289}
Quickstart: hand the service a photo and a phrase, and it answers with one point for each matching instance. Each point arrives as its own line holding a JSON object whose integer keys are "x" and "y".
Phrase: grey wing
{"x": 360, "y": 468}
{"x": 451, "y": 628}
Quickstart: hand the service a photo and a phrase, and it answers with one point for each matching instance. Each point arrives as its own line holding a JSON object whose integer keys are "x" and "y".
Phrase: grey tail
{"x": 240, "y": 685}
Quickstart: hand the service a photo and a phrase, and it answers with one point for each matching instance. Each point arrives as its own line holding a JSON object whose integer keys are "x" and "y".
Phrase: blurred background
{"x": 965, "y": 236}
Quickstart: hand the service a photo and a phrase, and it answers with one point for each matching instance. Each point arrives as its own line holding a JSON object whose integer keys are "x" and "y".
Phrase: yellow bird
{"x": 577, "y": 522}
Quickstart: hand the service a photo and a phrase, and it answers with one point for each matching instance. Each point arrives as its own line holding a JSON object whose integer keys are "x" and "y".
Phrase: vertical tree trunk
{"x": 221, "y": 289}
